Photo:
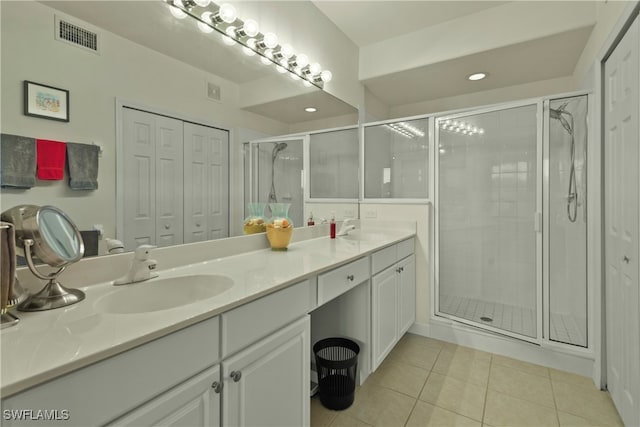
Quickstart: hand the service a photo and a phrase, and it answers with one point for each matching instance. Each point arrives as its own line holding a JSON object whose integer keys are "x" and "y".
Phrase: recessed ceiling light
{"x": 477, "y": 76}
{"x": 310, "y": 109}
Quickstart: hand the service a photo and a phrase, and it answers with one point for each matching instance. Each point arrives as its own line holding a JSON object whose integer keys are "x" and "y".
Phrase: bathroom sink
{"x": 163, "y": 293}
{"x": 360, "y": 236}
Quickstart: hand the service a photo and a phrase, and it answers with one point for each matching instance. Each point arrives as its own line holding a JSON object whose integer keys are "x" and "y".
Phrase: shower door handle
{"x": 537, "y": 222}
{"x": 626, "y": 259}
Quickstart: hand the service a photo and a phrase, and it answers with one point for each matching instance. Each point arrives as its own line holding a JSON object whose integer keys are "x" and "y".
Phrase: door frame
{"x": 596, "y": 242}
{"x": 120, "y": 104}
{"x": 537, "y": 102}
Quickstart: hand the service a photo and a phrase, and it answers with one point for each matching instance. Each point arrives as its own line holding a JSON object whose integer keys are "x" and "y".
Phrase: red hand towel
{"x": 50, "y": 159}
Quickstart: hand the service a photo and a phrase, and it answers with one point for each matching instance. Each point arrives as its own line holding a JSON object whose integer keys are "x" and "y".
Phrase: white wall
{"x": 123, "y": 69}
{"x": 493, "y": 96}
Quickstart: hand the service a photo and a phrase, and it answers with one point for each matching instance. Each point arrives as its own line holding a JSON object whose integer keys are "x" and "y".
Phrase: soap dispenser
{"x": 310, "y": 221}
{"x": 332, "y": 225}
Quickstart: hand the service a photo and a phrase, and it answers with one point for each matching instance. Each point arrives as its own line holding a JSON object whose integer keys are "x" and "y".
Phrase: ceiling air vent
{"x": 76, "y": 35}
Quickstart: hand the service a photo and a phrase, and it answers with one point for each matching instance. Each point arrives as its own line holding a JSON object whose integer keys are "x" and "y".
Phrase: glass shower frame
{"x": 542, "y": 221}
{"x": 537, "y": 217}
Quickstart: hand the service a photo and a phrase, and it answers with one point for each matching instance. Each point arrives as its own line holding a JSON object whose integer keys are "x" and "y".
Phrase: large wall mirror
{"x": 143, "y": 59}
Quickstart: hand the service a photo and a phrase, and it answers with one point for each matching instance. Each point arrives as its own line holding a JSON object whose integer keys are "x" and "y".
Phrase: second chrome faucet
{"x": 142, "y": 267}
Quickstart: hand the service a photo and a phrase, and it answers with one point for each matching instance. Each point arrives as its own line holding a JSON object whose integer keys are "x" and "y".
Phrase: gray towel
{"x": 83, "y": 166}
{"x": 18, "y": 161}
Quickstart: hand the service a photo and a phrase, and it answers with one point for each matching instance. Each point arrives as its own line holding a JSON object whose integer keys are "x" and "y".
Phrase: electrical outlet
{"x": 349, "y": 213}
{"x": 370, "y": 213}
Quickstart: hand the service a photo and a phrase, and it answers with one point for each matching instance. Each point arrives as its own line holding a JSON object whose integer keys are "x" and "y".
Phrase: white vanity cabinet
{"x": 392, "y": 297}
{"x": 267, "y": 384}
{"x": 104, "y": 391}
{"x": 265, "y": 367}
{"x": 196, "y": 402}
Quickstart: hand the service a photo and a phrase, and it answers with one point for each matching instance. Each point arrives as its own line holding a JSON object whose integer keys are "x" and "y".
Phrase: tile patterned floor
{"x": 425, "y": 382}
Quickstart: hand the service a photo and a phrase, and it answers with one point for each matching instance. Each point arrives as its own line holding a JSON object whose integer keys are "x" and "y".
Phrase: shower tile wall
{"x": 487, "y": 199}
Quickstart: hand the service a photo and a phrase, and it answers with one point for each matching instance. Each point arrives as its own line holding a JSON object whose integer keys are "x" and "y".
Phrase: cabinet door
{"x": 384, "y": 314}
{"x": 267, "y": 384}
{"x": 406, "y": 294}
{"x": 195, "y": 402}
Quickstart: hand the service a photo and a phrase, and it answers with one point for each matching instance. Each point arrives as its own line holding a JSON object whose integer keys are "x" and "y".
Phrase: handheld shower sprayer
{"x": 274, "y": 155}
{"x": 572, "y": 193}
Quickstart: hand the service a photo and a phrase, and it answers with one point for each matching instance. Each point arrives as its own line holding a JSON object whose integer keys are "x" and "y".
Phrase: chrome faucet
{"x": 141, "y": 267}
{"x": 346, "y": 227}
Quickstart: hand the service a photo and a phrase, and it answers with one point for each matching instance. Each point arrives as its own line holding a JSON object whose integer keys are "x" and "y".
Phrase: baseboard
{"x": 578, "y": 362}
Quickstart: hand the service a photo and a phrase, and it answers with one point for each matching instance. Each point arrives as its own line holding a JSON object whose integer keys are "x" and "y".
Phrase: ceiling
{"x": 366, "y": 23}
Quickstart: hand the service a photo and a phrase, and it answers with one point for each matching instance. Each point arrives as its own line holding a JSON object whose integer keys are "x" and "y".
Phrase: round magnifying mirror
{"x": 47, "y": 233}
{"x": 61, "y": 240}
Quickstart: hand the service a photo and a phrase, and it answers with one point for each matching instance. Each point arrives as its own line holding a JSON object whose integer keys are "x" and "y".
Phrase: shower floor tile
{"x": 519, "y": 320}
{"x": 510, "y": 318}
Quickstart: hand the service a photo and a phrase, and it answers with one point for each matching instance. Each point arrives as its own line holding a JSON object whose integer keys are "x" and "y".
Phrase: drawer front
{"x": 340, "y": 280}
{"x": 251, "y": 322}
{"x": 383, "y": 259}
{"x": 406, "y": 248}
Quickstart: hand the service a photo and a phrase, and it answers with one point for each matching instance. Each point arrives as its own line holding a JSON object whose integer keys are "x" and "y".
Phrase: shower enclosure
{"x": 565, "y": 190}
{"x": 510, "y": 219}
{"x": 274, "y": 174}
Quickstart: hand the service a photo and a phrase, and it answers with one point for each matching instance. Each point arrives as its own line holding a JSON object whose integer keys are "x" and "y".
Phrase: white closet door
{"x": 169, "y": 181}
{"x": 622, "y": 96}
{"x": 139, "y": 175}
{"x": 206, "y": 186}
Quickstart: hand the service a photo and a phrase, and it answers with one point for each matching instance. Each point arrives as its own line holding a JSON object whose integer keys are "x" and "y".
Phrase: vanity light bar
{"x": 456, "y": 126}
{"x": 246, "y": 33}
{"x": 405, "y": 129}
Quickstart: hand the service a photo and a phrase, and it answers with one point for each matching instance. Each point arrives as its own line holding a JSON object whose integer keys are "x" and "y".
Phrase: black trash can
{"x": 337, "y": 364}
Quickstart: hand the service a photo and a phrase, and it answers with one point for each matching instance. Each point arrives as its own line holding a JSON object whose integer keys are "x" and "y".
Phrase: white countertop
{"x": 47, "y": 344}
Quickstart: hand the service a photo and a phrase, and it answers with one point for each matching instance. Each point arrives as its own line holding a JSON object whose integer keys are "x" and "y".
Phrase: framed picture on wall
{"x": 46, "y": 102}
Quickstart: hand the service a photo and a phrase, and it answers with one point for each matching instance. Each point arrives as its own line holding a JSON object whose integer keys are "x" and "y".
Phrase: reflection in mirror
{"x": 275, "y": 174}
{"x": 395, "y": 158}
{"x": 49, "y": 234}
{"x": 159, "y": 65}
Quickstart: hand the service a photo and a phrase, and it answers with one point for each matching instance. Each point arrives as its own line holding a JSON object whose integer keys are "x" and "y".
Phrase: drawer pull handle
{"x": 235, "y": 376}
{"x": 217, "y": 387}
{"x": 398, "y": 270}
{"x": 350, "y": 277}
{"x": 401, "y": 269}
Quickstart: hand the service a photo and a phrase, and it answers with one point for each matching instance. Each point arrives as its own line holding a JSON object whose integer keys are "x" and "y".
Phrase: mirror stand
{"x": 53, "y": 295}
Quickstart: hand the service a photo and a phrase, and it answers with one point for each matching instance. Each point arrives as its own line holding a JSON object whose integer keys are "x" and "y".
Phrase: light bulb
{"x": 270, "y": 40}
{"x": 176, "y": 11}
{"x": 314, "y": 68}
{"x": 306, "y": 83}
{"x": 227, "y": 13}
{"x": 458, "y": 130}
{"x": 326, "y": 76}
{"x": 202, "y": 3}
{"x": 281, "y": 69}
{"x": 294, "y": 76}
{"x": 269, "y": 56}
{"x": 206, "y": 17}
{"x": 249, "y": 48}
{"x": 481, "y": 131}
{"x": 286, "y": 50}
{"x": 302, "y": 60}
{"x": 250, "y": 28}
{"x": 228, "y": 39}
{"x": 284, "y": 63}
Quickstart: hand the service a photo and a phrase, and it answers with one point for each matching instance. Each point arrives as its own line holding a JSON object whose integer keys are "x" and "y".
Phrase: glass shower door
{"x": 276, "y": 175}
{"x": 488, "y": 229}
{"x": 567, "y": 222}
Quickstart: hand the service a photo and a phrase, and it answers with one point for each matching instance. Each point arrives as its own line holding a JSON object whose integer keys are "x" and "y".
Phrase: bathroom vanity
{"x": 239, "y": 357}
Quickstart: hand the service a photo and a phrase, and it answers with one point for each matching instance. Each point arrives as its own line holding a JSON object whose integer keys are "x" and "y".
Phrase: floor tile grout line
{"x": 486, "y": 390}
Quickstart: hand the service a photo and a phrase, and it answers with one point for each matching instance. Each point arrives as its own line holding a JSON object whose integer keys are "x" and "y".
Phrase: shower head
{"x": 278, "y": 148}
{"x": 559, "y": 113}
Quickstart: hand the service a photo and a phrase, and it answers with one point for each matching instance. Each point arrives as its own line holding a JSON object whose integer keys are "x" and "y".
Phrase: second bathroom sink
{"x": 163, "y": 293}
